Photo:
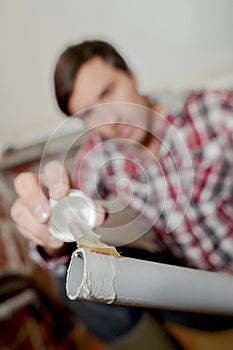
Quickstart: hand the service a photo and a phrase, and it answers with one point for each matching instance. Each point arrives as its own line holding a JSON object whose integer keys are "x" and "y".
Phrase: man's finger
{"x": 30, "y": 228}
{"x": 101, "y": 212}
{"x": 56, "y": 178}
{"x": 28, "y": 188}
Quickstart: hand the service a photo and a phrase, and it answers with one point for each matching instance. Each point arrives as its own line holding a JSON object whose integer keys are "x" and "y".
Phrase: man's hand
{"x": 31, "y": 211}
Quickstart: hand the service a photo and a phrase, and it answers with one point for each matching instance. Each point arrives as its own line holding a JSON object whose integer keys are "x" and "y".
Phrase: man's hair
{"x": 73, "y": 58}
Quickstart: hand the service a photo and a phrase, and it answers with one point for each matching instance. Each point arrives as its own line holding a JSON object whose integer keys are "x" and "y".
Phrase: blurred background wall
{"x": 172, "y": 45}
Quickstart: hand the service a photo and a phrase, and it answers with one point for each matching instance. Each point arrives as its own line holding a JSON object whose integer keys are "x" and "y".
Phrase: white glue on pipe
{"x": 136, "y": 282}
{"x": 91, "y": 279}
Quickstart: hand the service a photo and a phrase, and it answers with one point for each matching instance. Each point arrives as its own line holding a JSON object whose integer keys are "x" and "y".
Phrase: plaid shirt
{"x": 185, "y": 194}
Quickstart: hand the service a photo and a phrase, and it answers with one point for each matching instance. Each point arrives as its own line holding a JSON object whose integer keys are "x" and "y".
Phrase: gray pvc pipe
{"x": 128, "y": 281}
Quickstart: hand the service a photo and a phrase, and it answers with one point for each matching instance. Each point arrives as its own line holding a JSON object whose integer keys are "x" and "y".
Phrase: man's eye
{"x": 106, "y": 92}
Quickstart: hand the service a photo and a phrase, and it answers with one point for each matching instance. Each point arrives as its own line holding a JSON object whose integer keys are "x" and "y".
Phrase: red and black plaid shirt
{"x": 185, "y": 193}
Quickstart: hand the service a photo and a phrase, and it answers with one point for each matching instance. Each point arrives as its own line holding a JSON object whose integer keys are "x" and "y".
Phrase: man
{"x": 199, "y": 231}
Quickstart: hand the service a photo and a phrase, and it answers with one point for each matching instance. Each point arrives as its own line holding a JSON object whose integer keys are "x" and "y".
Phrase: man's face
{"x": 99, "y": 83}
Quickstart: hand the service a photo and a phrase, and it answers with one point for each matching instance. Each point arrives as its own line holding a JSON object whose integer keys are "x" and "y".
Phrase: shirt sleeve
{"x": 205, "y": 235}
{"x": 57, "y": 265}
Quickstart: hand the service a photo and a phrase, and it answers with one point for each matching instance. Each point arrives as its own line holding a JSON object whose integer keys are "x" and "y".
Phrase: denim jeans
{"x": 105, "y": 321}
